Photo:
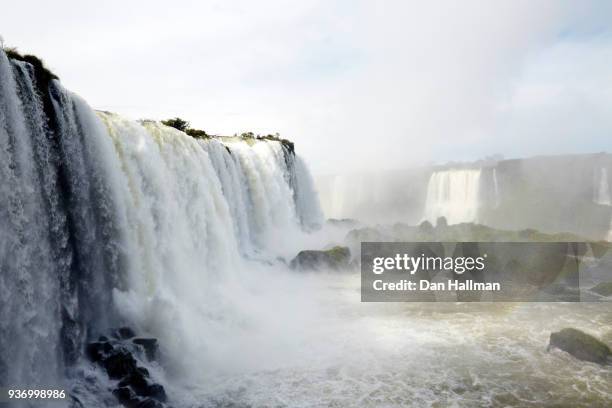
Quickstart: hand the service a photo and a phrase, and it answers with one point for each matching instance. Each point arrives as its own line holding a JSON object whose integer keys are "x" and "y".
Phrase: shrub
{"x": 276, "y": 137}
{"x": 197, "y": 133}
{"x": 177, "y": 123}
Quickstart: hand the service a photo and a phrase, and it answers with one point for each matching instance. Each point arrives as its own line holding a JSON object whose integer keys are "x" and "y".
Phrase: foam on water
{"x": 397, "y": 355}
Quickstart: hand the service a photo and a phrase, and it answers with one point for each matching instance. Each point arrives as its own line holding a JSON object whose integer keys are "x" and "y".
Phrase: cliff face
{"x": 560, "y": 193}
{"x": 550, "y": 193}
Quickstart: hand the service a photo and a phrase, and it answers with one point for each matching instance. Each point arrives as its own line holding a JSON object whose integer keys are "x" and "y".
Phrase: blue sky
{"x": 359, "y": 85}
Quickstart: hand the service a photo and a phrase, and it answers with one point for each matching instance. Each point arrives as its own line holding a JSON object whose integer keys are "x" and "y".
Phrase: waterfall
{"x": 106, "y": 221}
{"x": 453, "y": 194}
{"x": 602, "y": 188}
{"x": 497, "y": 200}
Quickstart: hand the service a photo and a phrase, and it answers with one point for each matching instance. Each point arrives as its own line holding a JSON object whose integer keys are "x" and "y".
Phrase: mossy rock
{"x": 603, "y": 289}
{"x": 336, "y": 258}
{"x": 580, "y": 345}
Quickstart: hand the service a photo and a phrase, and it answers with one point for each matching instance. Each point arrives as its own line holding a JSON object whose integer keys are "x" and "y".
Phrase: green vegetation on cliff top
{"x": 44, "y": 76}
{"x": 184, "y": 126}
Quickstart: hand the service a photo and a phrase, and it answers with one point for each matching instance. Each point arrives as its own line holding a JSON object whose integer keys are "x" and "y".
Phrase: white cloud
{"x": 388, "y": 84}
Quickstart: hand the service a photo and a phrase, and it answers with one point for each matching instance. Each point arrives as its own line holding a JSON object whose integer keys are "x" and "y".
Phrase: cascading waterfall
{"x": 601, "y": 193}
{"x": 497, "y": 199}
{"x": 60, "y": 243}
{"x": 106, "y": 221}
{"x": 602, "y": 188}
{"x": 453, "y": 194}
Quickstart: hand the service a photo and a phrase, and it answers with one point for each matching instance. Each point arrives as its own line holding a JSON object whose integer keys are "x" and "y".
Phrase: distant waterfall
{"x": 106, "y": 221}
{"x": 496, "y": 197}
{"x": 453, "y": 194}
{"x": 602, "y": 188}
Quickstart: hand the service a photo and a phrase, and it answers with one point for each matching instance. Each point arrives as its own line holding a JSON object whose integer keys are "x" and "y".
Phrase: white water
{"x": 415, "y": 355}
{"x": 601, "y": 193}
{"x": 453, "y": 194}
{"x": 23, "y": 219}
{"x": 58, "y": 262}
{"x": 602, "y": 188}
{"x": 195, "y": 214}
{"x": 497, "y": 199}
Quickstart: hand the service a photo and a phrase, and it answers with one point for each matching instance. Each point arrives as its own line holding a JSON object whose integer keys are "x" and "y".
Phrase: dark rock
{"x": 150, "y": 346}
{"x": 137, "y": 381}
{"x": 128, "y": 399}
{"x": 142, "y": 386}
{"x": 156, "y": 391}
{"x": 125, "y": 395}
{"x": 120, "y": 364}
{"x": 603, "y": 289}
{"x": 149, "y": 403}
{"x": 75, "y": 402}
{"x": 124, "y": 333}
{"x": 97, "y": 350}
{"x": 580, "y": 345}
{"x": 335, "y": 258}
{"x": 119, "y": 358}
{"x": 441, "y": 222}
{"x": 426, "y": 228}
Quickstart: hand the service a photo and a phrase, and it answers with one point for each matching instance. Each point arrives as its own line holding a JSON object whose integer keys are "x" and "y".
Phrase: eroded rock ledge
{"x": 336, "y": 258}
{"x": 121, "y": 356}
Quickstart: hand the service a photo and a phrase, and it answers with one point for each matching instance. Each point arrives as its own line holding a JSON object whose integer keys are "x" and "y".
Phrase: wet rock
{"x": 128, "y": 399}
{"x": 140, "y": 383}
{"x": 125, "y": 395}
{"x": 149, "y": 345}
{"x": 119, "y": 364}
{"x": 426, "y": 228}
{"x": 580, "y": 345}
{"x": 603, "y": 289}
{"x": 156, "y": 391}
{"x": 120, "y": 359}
{"x": 335, "y": 258}
{"x": 149, "y": 403}
{"x": 124, "y": 333}
{"x": 96, "y": 351}
{"x": 441, "y": 222}
{"x": 75, "y": 402}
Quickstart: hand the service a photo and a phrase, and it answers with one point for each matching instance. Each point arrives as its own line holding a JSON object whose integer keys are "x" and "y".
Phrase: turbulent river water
{"x": 106, "y": 221}
{"x": 331, "y": 350}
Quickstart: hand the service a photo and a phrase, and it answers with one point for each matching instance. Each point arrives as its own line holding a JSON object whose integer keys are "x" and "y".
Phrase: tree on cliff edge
{"x": 177, "y": 123}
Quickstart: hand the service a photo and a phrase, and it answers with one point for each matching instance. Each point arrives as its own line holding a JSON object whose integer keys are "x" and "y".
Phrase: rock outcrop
{"x": 581, "y": 345}
{"x": 603, "y": 289}
{"x": 120, "y": 356}
{"x": 336, "y": 258}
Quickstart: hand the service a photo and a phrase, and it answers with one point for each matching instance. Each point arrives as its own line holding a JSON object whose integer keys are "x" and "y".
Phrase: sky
{"x": 359, "y": 86}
